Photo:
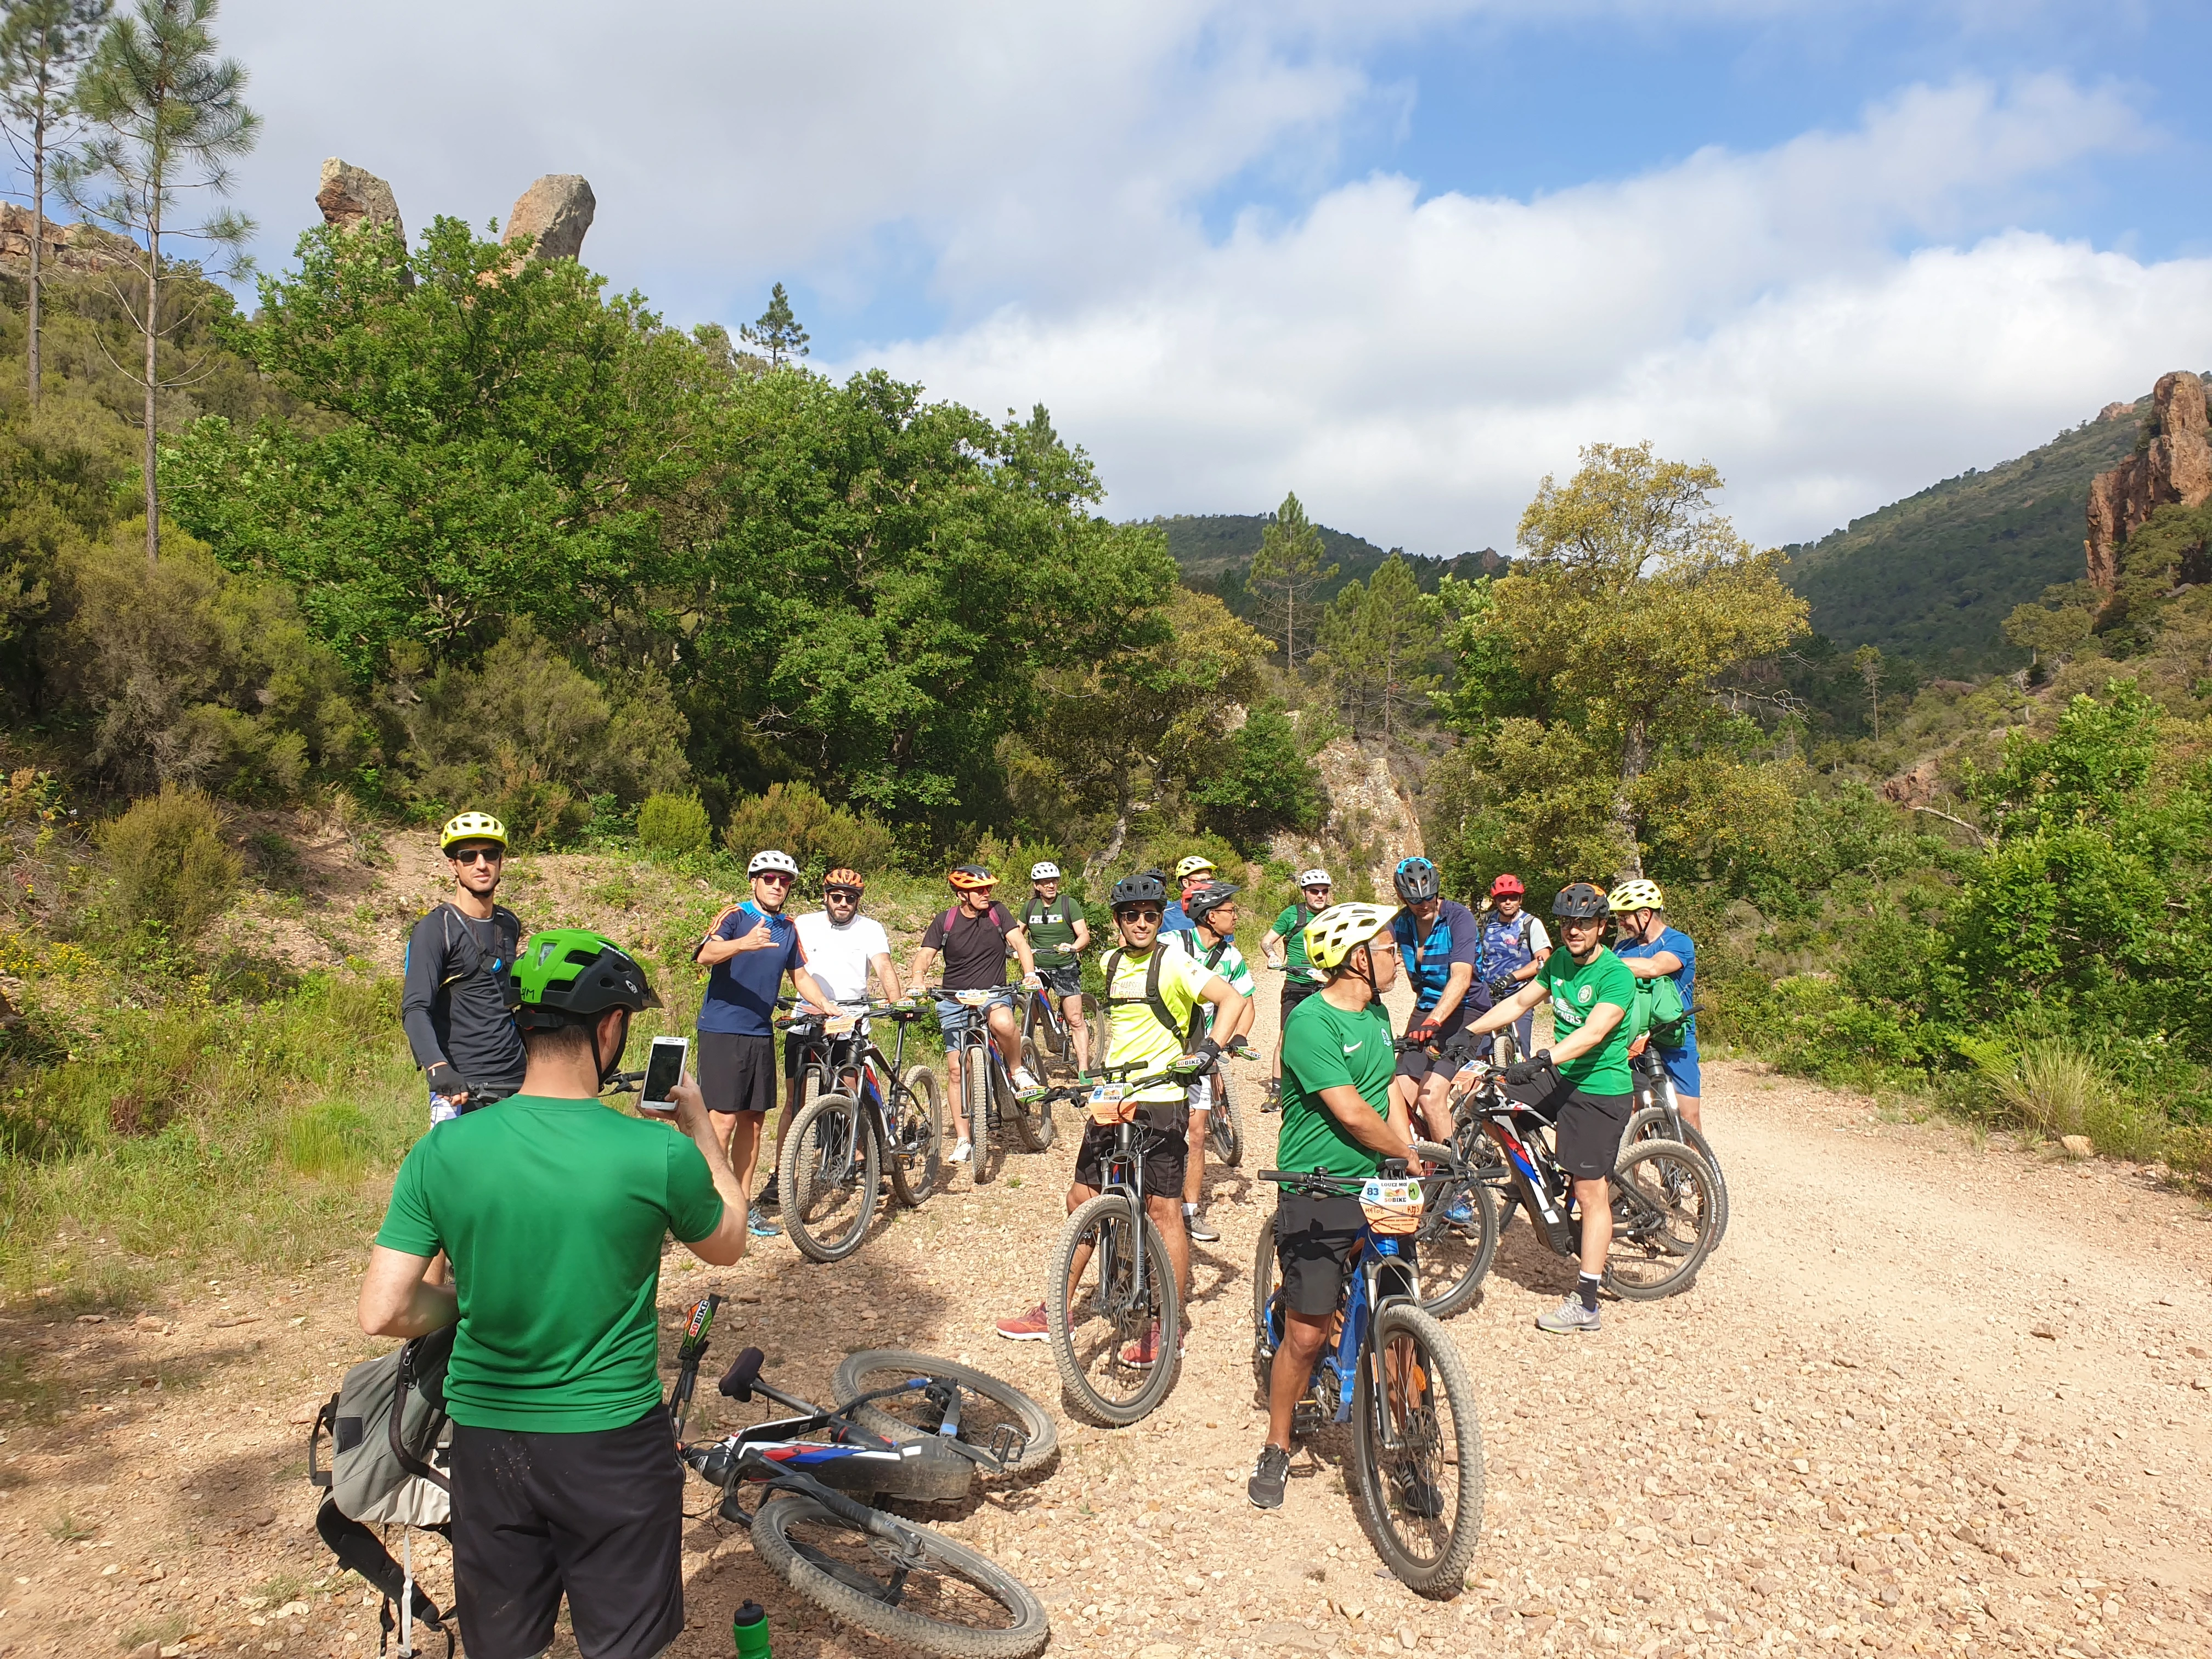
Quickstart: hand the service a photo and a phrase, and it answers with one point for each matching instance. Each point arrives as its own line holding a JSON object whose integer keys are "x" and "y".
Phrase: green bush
{"x": 673, "y": 825}
{"x": 170, "y": 865}
{"x": 796, "y": 819}
{"x": 1815, "y": 1027}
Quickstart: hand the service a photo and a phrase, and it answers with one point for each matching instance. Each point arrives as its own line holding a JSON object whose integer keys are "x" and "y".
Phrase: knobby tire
{"x": 918, "y": 1118}
{"x": 1428, "y": 1554}
{"x": 1665, "y": 1185}
{"x": 1106, "y": 1220}
{"x": 916, "y": 1417}
{"x": 1650, "y": 1124}
{"x": 829, "y": 1169}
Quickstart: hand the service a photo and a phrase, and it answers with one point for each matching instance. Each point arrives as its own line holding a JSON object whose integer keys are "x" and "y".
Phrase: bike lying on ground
{"x": 987, "y": 1088}
{"x": 1395, "y": 1377}
{"x": 879, "y": 1115}
{"x": 1662, "y": 1192}
{"x": 1657, "y": 1117}
{"x": 906, "y": 1584}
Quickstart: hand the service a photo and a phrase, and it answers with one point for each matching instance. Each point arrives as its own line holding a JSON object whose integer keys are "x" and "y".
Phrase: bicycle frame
{"x": 1543, "y": 1185}
{"x": 1383, "y": 1275}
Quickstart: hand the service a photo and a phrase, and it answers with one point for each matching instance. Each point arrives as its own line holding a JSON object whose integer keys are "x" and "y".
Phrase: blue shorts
{"x": 954, "y": 1017}
{"x": 1681, "y": 1066}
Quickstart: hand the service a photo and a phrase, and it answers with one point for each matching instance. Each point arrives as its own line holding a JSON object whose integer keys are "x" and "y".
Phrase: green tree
{"x": 166, "y": 115}
{"x": 1263, "y": 782}
{"x": 1378, "y": 645}
{"x": 776, "y": 331}
{"x": 1285, "y": 573}
{"x": 43, "y": 44}
{"x": 1867, "y": 661}
{"x": 1634, "y": 598}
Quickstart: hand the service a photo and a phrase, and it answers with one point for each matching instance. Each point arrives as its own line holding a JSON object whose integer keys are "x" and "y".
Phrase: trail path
{"x": 1932, "y": 1397}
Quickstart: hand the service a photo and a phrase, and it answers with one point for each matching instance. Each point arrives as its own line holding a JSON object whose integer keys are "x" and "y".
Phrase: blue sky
{"x": 1403, "y": 257}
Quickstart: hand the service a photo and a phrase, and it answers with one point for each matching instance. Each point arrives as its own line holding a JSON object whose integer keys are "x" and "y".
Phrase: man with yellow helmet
{"x": 1652, "y": 950}
{"x": 454, "y": 999}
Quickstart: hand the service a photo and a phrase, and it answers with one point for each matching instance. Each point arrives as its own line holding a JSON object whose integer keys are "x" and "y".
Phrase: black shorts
{"x": 1294, "y": 994}
{"x": 598, "y": 1516}
{"x": 737, "y": 1072}
{"x": 1451, "y": 1038}
{"x": 1316, "y": 1241}
{"x": 844, "y": 1052}
{"x": 1063, "y": 981}
{"x": 1588, "y": 1127}
{"x": 1166, "y": 1154}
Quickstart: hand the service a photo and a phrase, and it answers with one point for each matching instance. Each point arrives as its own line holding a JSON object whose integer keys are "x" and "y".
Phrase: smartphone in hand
{"x": 664, "y": 1070}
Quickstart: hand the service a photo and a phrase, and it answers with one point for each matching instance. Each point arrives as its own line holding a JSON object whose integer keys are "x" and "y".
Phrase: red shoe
{"x": 1026, "y": 1328}
{"x": 1141, "y": 1354}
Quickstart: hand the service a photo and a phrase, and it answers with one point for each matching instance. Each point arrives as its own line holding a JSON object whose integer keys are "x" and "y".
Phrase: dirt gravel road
{"x": 1932, "y": 1397}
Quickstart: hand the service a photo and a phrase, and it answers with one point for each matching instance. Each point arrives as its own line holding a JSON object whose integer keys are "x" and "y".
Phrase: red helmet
{"x": 1507, "y": 884}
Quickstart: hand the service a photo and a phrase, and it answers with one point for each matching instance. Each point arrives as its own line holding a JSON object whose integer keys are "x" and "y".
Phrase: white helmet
{"x": 772, "y": 859}
{"x": 1314, "y": 879}
{"x": 1047, "y": 871}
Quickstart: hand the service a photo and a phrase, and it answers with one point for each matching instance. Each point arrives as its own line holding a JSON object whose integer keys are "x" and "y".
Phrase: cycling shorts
{"x": 844, "y": 1052}
{"x": 1587, "y": 1128}
{"x": 1296, "y": 991}
{"x": 1682, "y": 1071}
{"x": 1063, "y": 981}
{"x": 597, "y": 1516}
{"x": 1165, "y": 1152}
{"x": 954, "y": 1017}
{"x": 1451, "y": 1039}
{"x": 1317, "y": 1242}
{"x": 736, "y": 1072}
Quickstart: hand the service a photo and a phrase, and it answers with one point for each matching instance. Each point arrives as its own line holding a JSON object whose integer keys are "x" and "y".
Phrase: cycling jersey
{"x": 1325, "y": 1047}
{"x": 1175, "y": 919}
{"x": 453, "y": 1000}
{"x": 1051, "y": 924}
{"x": 1224, "y": 959}
{"x": 1675, "y": 942}
{"x": 1507, "y": 945}
{"x": 741, "y": 992}
{"x": 1452, "y": 938}
{"x": 1291, "y": 928}
{"x": 1577, "y": 988}
{"x": 1135, "y": 1034}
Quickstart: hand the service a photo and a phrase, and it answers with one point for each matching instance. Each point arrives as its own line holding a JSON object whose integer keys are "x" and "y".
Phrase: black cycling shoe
{"x": 1269, "y": 1476}
{"x": 768, "y": 1199}
{"x": 1418, "y": 1495}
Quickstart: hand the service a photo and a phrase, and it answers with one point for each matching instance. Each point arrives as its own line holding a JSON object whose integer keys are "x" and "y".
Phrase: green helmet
{"x": 569, "y": 975}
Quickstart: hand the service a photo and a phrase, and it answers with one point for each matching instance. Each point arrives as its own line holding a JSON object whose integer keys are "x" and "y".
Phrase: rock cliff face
{"x": 2175, "y": 467}
{"x": 554, "y": 213}
{"x": 64, "y": 247}
{"x": 1367, "y": 810}
{"x": 351, "y": 197}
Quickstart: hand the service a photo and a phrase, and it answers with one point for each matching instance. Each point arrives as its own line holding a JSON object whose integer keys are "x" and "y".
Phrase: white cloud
{"x": 1411, "y": 366}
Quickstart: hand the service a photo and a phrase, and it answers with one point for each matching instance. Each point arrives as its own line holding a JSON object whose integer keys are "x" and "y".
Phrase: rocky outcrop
{"x": 1368, "y": 811}
{"x": 1914, "y": 786}
{"x": 553, "y": 214}
{"x": 78, "y": 248}
{"x": 2174, "y": 466}
{"x": 2117, "y": 412}
{"x": 350, "y": 198}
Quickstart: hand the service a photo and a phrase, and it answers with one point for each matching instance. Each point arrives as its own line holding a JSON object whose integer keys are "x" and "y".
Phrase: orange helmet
{"x": 842, "y": 876}
{"x": 970, "y": 878}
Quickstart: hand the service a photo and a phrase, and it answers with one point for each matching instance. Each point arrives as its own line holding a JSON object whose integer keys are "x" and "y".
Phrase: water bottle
{"x": 750, "y": 1627}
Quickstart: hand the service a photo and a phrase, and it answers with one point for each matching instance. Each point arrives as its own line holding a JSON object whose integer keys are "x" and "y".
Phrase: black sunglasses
{"x": 840, "y": 892}
{"x": 478, "y": 855}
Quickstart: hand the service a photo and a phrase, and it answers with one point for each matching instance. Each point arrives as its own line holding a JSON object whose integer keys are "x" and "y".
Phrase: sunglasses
{"x": 1141, "y": 915}
{"x": 1317, "y": 888}
{"x": 775, "y": 876}
{"x": 842, "y": 892}
{"x": 477, "y": 855}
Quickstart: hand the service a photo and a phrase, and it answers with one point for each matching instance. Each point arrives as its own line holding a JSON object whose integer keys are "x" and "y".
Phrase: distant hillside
{"x": 1933, "y": 577}
{"x": 1215, "y": 550}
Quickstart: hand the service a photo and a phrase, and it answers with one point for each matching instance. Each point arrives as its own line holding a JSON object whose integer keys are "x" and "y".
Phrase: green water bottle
{"x": 750, "y": 1627}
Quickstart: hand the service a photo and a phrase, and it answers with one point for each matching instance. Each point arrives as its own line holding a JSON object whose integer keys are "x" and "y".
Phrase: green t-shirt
{"x": 1052, "y": 930}
{"x": 1577, "y": 989}
{"x": 553, "y": 1213}
{"x": 1325, "y": 1047}
{"x": 1291, "y": 928}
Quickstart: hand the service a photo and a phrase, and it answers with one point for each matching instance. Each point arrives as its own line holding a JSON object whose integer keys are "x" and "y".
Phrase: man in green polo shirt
{"x": 553, "y": 1210}
{"x": 1339, "y": 1116}
{"x": 1058, "y": 937}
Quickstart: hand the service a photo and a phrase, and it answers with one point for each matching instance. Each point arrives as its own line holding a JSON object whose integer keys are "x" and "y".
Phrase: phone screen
{"x": 664, "y": 1070}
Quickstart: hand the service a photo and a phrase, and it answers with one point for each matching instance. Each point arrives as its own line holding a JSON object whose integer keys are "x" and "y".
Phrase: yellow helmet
{"x": 1637, "y": 895}
{"x": 1342, "y": 928}
{"x": 1196, "y": 864}
{"x": 471, "y": 826}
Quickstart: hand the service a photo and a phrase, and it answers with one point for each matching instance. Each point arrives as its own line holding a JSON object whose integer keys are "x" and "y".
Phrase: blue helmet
{"x": 1416, "y": 879}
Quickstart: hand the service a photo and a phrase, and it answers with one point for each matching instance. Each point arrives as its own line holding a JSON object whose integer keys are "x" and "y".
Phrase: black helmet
{"x": 1146, "y": 887}
{"x": 1580, "y": 902}
{"x": 1208, "y": 899}
{"x": 1416, "y": 879}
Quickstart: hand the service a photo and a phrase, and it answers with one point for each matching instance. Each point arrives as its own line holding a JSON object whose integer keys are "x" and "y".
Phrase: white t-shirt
{"x": 838, "y": 957}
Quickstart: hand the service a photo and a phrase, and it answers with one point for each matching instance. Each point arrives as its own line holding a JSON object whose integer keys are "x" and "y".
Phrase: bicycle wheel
{"x": 1455, "y": 1254}
{"x": 923, "y": 1593}
{"x": 1094, "y": 1016}
{"x": 830, "y": 1169}
{"x": 1032, "y": 1120}
{"x": 975, "y": 1094}
{"x": 1098, "y": 1316}
{"x": 1504, "y": 1048}
{"x": 1651, "y": 1124}
{"x": 917, "y": 1153}
{"x": 1662, "y": 1221}
{"x": 988, "y": 1406}
{"x": 1266, "y": 1333}
{"x": 1417, "y": 1452}
{"x": 1225, "y": 1125}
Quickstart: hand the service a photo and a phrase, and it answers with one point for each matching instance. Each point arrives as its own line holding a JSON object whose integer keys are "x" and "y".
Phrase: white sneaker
{"x": 1023, "y": 1081}
{"x": 962, "y": 1151}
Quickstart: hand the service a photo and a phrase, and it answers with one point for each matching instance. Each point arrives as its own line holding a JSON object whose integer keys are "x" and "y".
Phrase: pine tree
{"x": 166, "y": 115}
{"x": 1286, "y": 571}
{"x": 776, "y": 331}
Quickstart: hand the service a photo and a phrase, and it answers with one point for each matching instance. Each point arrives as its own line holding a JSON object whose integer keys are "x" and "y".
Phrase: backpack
{"x": 390, "y": 1441}
{"x": 1659, "y": 1011}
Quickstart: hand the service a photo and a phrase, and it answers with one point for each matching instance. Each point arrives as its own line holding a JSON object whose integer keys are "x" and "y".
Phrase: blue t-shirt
{"x": 1675, "y": 943}
{"x": 741, "y": 992}
{"x": 1506, "y": 946}
{"x": 1453, "y": 937}
{"x": 1174, "y": 919}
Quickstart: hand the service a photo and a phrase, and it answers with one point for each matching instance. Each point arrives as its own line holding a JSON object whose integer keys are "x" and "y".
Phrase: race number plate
{"x": 1393, "y": 1208}
{"x": 840, "y": 1025}
{"x": 972, "y": 999}
{"x": 1106, "y": 1102}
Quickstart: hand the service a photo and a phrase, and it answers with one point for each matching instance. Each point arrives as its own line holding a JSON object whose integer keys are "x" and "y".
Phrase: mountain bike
{"x": 1113, "y": 1281}
{"x": 1395, "y": 1377}
{"x": 909, "y": 1585}
{"x": 831, "y": 1167}
{"x": 985, "y": 1085}
{"x": 1224, "y": 1121}
{"x": 1657, "y": 1117}
{"x": 1046, "y": 1035}
{"x": 1662, "y": 1192}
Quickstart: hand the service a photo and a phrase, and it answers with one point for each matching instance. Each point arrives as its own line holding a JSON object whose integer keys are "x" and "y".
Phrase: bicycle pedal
{"x": 1009, "y": 1444}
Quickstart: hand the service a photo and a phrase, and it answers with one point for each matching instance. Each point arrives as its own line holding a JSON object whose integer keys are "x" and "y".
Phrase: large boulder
{"x": 350, "y": 198}
{"x": 551, "y": 216}
{"x": 2174, "y": 466}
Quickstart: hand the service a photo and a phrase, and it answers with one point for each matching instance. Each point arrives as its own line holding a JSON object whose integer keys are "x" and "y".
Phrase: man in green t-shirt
{"x": 1581, "y": 1081}
{"x": 1058, "y": 937}
{"x": 1285, "y": 948}
{"x": 1339, "y": 1116}
{"x": 553, "y": 1210}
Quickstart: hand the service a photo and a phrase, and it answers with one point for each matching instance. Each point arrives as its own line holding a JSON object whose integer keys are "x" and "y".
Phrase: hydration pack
{"x": 1659, "y": 1011}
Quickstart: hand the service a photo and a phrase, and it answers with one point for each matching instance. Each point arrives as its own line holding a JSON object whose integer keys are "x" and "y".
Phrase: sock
{"x": 1190, "y": 1209}
{"x": 1586, "y": 1287}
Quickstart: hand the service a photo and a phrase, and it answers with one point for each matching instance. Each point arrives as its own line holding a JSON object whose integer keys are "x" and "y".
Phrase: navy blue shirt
{"x": 741, "y": 992}
{"x": 1675, "y": 942}
{"x": 1453, "y": 937}
{"x": 1174, "y": 919}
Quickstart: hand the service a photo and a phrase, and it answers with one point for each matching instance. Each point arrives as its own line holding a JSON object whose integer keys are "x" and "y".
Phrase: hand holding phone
{"x": 664, "y": 1070}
